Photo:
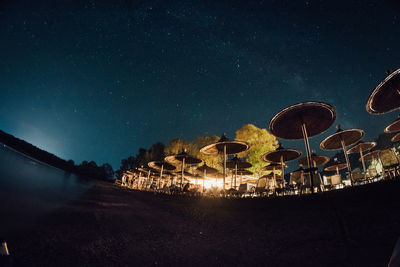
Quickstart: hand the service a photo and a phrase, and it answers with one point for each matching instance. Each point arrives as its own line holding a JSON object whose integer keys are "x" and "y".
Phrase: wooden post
{"x": 347, "y": 161}
{"x": 183, "y": 172}
{"x": 223, "y": 181}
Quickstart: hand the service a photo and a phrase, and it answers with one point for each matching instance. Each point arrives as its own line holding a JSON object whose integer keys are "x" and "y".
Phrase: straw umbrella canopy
{"x": 131, "y": 172}
{"x": 204, "y": 169}
{"x": 273, "y": 167}
{"x": 315, "y": 159}
{"x": 393, "y": 127}
{"x": 182, "y": 158}
{"x": 236, "y": 164}
{"x": 361, "y": 147}
{"x": 225, "y": 147}
{"x": 301, "y": 121}
{"x": 277, "y": 176}
{"x": 336, "y": 166}
{"x": 161, "y": 166}
{"x": 340, "y": 140}
{"x": 281, "y": 155}
{"x": 244, "y": 172}
{"x": 396, "y": 138}
{"x": 386, "y": 96}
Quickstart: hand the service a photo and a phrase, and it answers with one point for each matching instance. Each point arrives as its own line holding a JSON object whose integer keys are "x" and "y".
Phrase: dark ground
{"x": 111, "y": 226}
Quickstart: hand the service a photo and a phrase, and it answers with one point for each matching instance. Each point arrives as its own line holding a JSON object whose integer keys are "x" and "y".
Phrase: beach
{"x": 114, "y": 226}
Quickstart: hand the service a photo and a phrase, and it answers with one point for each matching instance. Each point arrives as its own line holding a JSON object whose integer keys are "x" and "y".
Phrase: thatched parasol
{"x": 281, "y": 155}
{"x": 315, "y": 159}
{"x": 204, "y": 169}
{"x": 371, "y": 156}
{"x": 395, "y": 138}
{"x": 236, "y": 164}
{"x": 393, "y": 127}
{"x": 225, "y": 147}
{"x": 337, "y": 165}
{"x": 386, "y": 96}
{"x": 340, "y": 140}
{"x": 161, "y": 166}
{"x": 182, "y": 158}
{"x": 148, "y": 171}
{"x": 361, "y": 147}
{"x": 273, "y": 167}
{"x": 302, "y": 121}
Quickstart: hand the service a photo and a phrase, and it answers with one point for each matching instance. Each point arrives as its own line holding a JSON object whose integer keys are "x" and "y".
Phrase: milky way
{"x": 97, "y": 80}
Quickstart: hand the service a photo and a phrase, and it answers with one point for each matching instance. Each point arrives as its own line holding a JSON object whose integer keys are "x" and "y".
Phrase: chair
{"x": 336, "y": 180}
{"x": 260, "y": 187}
{"x": 213, "y": 192}
{"x": 357, "y": 177}
{"x": 296, "y": 180}
{"x": 242, "y": 190}
{"x": 280, "y": 186}
{"x": 372, "y": 174}
{"x": 271, "y": 186}
{"x": 317, "y": 181}
{"x": 390, "y": 163}
{"x": 232, "y": 192}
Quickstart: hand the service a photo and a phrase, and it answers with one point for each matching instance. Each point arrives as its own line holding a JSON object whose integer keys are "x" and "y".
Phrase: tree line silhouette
{"x": 86, "y": 169}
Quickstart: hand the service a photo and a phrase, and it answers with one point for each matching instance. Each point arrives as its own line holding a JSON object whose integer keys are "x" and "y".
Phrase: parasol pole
{"x": 307, "y": 145}
{"x": 183, "y": 171}
{"x": 347, "y": 160}
{"x": 282, "y": 168}
{"x": 223, "y": 181}
{"x": 273, "y": 172}
{"x": 376, "y": 163}
{"x": 235, "y": 175}
{"x": 204, "y": 177}
{"x": 148, "y": 176}
{"x": 138, "y": 183}
{"x": 363, "y": 162}
{"x": 161, "y": 173}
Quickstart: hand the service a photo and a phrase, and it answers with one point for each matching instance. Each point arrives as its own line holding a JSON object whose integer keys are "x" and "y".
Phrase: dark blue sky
{"x": 96, "y": 80}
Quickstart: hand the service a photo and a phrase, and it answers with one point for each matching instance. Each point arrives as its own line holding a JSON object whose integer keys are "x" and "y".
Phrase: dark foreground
{"x": 111, "y": 226}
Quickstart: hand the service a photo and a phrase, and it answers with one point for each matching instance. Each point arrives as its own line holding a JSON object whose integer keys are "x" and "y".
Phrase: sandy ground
{"x": 112, "y": 226}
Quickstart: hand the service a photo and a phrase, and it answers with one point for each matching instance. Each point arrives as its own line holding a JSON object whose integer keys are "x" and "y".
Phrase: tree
{"x": 141, "y": 158}
{"x": 175, "y": 146}
{"x": 260, "y": 141}
{"x": 128, "y": 163}
{"x": 108, "y": 172}
{"x": 155, "y": 152}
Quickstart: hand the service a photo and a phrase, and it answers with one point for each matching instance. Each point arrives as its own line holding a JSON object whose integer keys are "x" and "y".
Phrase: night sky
{"x": 96, "y": 80}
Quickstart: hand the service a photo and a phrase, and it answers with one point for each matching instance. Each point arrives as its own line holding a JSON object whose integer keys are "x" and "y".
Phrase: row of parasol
{"x": 296, "y": 122}
{"x": 305, "y": 120}
{"x": 183, "y": 159}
